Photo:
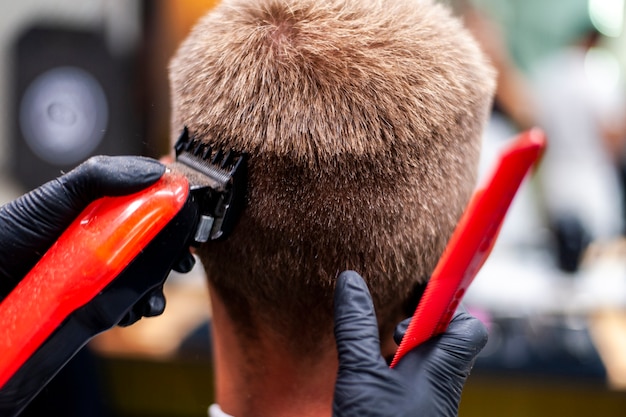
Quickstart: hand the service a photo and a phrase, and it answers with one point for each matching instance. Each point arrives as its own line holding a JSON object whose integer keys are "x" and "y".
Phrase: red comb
{"x": 471, "y": 242}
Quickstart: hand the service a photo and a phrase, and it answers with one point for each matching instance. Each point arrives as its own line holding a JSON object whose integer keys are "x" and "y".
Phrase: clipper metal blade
{"x": 220, "y": 190}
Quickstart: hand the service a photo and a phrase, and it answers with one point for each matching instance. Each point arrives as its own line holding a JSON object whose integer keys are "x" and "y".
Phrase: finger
{"x": 356, "y": 328}
{"x": 453, "y": 352}
{"x": 154, "y": 305}
{"x": 402, "y": 327}
{"x": 465, "y": 334}
{"x": 151, "y": 305}
{"x": 111, "y": 176}
{"x": 185, "y": 263}
{"x": 400, "y": 330}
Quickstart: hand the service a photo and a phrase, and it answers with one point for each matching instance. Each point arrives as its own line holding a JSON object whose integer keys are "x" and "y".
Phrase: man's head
{"x": 362, "y": 119}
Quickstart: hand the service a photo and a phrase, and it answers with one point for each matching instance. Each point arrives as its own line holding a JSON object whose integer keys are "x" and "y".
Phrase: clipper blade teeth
{"x": 213, "y": 162}
{"x": 219, "y": 184}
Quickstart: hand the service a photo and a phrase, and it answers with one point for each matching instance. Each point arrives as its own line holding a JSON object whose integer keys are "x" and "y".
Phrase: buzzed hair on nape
{"x": 363, "y": 122}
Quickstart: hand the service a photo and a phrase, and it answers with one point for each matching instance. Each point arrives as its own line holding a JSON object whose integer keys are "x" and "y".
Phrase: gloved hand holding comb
{"x": 427, "y": 381}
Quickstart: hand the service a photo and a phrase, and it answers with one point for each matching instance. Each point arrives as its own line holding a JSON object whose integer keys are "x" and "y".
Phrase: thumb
{"x": 111, "y": 175}
{"x": 356, "y": 328}
{"x": 451, "y": 355}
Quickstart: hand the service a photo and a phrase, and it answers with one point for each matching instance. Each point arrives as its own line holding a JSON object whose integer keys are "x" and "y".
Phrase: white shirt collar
{"x": 216, "y": 411}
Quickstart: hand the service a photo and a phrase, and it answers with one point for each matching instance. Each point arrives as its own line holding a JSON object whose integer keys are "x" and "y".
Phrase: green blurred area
{"x": 535, "y": 28}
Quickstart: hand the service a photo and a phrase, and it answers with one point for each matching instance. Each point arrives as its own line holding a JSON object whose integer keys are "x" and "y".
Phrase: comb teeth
{"x": 202, "y": 157}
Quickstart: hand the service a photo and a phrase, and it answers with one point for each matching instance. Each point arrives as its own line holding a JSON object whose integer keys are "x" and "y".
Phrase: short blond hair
{"x": 363, "y": 123}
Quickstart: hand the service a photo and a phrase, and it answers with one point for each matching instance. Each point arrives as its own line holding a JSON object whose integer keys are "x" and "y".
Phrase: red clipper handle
{"x": 88, "y": 256}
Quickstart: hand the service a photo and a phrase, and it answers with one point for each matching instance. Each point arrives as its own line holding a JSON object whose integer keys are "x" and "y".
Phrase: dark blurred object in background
{"x": 72, "y": 98}
{"x": 541, "y": 346}
{"x": 76, "y": 391}
{"x": 571, "y": 241}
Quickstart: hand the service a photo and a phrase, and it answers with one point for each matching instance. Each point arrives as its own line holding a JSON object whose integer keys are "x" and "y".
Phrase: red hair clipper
{"x": 471, "y": 242}
{"x": 108, "y": 261}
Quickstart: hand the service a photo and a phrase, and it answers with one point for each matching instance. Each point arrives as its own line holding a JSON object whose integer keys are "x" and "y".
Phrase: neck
{"x": 266, "y": 379}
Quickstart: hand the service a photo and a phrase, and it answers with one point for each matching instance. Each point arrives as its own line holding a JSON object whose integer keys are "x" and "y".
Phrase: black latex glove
{"x": 30, "y": 224}
{"x": 427, "y": 381}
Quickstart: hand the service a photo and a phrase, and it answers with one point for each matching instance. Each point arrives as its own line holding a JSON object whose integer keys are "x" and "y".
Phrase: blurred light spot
{"x": 64, "y": 115}
{"x": 607, "y": 16}
{"x": 602, "y": 67}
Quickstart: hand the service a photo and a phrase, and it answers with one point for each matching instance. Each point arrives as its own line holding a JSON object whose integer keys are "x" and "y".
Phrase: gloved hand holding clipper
{"x": 427, "y": 381}
{"x": 33, "y": 222}
{"x": 94, "y": 248}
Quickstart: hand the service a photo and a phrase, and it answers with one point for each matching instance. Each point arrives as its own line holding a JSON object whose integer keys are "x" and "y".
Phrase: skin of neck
{"x": 263, "y": 378}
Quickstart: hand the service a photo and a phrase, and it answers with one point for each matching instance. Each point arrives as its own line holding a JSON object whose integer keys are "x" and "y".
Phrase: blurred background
{"x": 79, "y": 78}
